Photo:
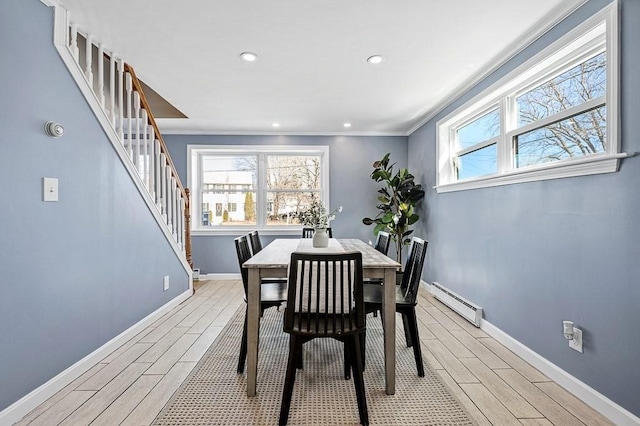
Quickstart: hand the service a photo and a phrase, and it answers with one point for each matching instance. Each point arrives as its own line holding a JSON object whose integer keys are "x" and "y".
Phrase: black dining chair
{"x": 382, "y": 242}
{"x": 256, "y": 247}
{"x": 382, "y": 245}
{"x": 324, "y": 300}
{"x": 272, "y": 294}
{"x": 406, "y": 297}
{"x": 254, "y": 239}
{"x": 308, "y": 232}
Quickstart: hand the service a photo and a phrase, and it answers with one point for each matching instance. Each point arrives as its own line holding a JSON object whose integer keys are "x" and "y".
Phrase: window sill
{"x": 229, "y": 231}
{"x": 561, "y": 169}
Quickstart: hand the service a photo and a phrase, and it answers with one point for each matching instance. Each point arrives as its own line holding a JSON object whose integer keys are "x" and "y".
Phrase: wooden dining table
{"x": 273, "y": 262}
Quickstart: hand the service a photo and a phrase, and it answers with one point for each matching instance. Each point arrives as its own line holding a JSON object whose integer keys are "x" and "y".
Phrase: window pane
{"x": 228, "y": 208}
{"x": 229, "y": 172}
{"x": 478, "y": 163}
{"x": 479, "y": 130}
{"x": 577, "y": 136}
{"x": 293, "y": 172}
{"x": 282, "y": 207}
{"x": 573, "y": 87}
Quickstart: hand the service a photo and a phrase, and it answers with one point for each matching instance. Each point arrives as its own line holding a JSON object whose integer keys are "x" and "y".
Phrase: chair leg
{"x": 358, "y": 381}
{"x": 289, "y": 380}
{"x": 363, "y": 349}
{"x": 417, "y": 351}
{"x": 347, "y": 361}
{"x": 407, "y": 330}
{"x": 299, "y": 360}
{"x": 243, "y": 346}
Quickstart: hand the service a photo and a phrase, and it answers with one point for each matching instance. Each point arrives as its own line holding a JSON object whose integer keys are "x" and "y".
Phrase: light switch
{"x": 49, "y": 189}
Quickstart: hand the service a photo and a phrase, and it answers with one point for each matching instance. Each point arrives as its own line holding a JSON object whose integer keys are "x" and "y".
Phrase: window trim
{"x": 194, "y": 151}
{"x": 599, "y": 32}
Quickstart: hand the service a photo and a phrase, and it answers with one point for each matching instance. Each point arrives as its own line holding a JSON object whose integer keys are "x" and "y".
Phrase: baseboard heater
{"x": 466, "y": 309}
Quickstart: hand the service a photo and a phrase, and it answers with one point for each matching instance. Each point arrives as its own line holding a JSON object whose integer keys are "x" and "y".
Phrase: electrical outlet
{"x": 165, "y": 283}
{"x": 576, "y": 342}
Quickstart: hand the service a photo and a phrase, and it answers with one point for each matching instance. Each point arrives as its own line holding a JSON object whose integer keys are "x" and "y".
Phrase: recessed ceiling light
{"x": 347, "y": 124}
{"x": 248, "y": 56}
{"x": 275, "y": 124}
{"x": 375, "y": 59}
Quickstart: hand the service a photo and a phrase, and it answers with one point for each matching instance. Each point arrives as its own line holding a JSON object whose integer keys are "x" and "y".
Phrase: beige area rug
{"x": 214, "y": 394}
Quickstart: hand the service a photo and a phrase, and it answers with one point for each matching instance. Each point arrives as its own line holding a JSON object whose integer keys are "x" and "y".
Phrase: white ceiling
{"x": 311, "y": 75}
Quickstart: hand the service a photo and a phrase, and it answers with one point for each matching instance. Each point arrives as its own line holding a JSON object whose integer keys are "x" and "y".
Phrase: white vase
{"x": 320, "y": 238}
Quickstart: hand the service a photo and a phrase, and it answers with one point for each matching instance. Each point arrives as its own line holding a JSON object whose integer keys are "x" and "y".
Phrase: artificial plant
{"x": 398, "y": 198}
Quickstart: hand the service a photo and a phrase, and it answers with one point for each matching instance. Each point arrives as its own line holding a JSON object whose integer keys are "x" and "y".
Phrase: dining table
{"x": 273, "y": 262}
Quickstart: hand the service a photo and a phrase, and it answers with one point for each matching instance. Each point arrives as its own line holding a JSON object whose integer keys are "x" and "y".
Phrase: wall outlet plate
{"x": 576, "y": 342}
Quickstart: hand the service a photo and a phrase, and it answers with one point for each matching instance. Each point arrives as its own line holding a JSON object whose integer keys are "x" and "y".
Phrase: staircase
{"x": 115, "y": 94}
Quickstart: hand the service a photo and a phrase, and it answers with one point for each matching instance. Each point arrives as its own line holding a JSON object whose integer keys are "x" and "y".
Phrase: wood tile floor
{"x": 132, "y": 385}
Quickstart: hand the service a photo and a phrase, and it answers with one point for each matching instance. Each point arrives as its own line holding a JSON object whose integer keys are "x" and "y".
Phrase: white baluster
{"x": 169, "y": 199}
{"x": 73, "y": 43}
{"x": 145, "y": 148}
{"x": 181, "y": 233}
{"x": 180, "y": 220}
{"x": 158, "y": 171}
{"x": 121, "y": 99}
{"x": 100, "y": 60}
{"x": 163, "y": 193}
{"x": 176, "y": 210}
{"x": 88, "y": 71}
{"x": 112, "y": 88}
{"x": 172, "y": 206}
{"x": 129, "y": 89}
{"x": 136, "y": 115}
{"x": 152, "y": 163}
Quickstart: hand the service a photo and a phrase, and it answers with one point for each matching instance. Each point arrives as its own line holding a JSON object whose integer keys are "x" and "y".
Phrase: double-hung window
{"x": 554, "y": 116}
{"x": 238, "y": 188}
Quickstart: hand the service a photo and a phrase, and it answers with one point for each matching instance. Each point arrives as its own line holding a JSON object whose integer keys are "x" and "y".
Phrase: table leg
{"x": 253, "y": 329}
{"x": 389, "y": 312}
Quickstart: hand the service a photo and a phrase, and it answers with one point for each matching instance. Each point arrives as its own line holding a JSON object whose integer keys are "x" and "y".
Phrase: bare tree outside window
{"x": 292, "y": 182}
{"x": 581, "y": 134}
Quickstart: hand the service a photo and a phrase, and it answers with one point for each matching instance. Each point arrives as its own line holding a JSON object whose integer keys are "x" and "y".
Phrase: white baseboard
{"x": 617, "y": 414}
{"x": 204, "y": 277}
{"x": 24, "y": 405}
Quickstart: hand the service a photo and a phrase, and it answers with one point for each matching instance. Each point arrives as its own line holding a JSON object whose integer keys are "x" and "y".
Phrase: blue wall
{"x": 538, "y": 253}
{"x": 76, "y": 273}
{"x": 350, "y": 161}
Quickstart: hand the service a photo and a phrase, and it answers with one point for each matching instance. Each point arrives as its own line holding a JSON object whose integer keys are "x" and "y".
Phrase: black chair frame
{"x": 325, "y": 300}
{"x": 406, "y": 297}
{"x": 272, "y": 294}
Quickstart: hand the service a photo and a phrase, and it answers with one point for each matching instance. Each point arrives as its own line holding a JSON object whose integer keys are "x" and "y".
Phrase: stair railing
{"x": 120, "y": 94}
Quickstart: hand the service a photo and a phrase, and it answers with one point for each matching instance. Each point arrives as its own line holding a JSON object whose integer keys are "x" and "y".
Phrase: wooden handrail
{"x": 163, "y": 148}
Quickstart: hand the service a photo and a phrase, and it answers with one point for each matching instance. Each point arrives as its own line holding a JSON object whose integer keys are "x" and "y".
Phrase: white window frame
{"x": 194, "y": 152}
{"x": 598, "y": 34}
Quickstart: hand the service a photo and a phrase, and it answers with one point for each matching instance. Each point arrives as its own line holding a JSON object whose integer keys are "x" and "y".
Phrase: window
{"x": 554, "y": 116}
{"x": 237, "y": 188}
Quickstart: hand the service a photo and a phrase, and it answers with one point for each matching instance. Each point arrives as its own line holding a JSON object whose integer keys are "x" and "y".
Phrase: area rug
{"x": 214, "y": 394}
